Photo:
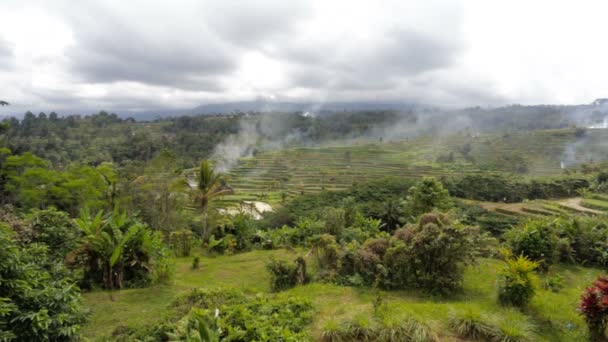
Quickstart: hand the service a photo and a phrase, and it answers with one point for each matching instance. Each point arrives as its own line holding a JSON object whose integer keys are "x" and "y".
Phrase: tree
{"x": 392, "y": 215}
{"x": 206, "y": 187}
{"x": 426, "y": 196}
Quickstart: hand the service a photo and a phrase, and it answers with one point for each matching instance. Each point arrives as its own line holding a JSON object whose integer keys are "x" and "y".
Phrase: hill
{"x": 270, "y": 176}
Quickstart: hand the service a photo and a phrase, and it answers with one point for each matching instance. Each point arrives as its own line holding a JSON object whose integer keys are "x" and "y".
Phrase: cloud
{"x": 7, "y": 56}
{"x": 153, "y": 54}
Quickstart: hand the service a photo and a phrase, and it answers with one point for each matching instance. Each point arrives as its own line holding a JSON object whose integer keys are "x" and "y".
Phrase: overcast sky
{"x": 70, "y": 56}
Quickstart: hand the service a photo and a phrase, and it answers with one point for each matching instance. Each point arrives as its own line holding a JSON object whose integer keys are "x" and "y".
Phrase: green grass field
{"x": 301, "y": 170}
{"x": 553, "y": 314}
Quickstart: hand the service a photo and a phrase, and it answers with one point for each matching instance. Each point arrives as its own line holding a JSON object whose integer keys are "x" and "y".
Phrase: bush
{"x": 242, "y": 318}
{"x": 536, "y": 239}
{"x": 38, "y": 302}
{"x": 431, "y": 255}
{"x": 284, "y": 276}
{"x": 327, "y": 255}
{"x": 196, "y": 263}
{"x": 56, "y": 230}
{"x": 594, "y": 309}
{"x": 116, "y": 251}
{"x": 517, "y": 281}
{"x": 181, "y": 242}
{"x": 554, "y": 283}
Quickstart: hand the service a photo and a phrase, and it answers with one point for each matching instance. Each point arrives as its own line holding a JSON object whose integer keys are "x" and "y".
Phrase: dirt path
{"x": 575, "y": 203}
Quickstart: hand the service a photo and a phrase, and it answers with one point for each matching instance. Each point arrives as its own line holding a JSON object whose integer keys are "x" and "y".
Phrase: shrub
{"x": 181, "y": 242}
{"x": 431, "y": 255}
{"x": 235, "y": 317}
{"x": 37, "y": 301}
{"x": 54, "y": 229}
{"x": 537, "y": 240}
{"x": 517, "y": 281}
{"x": 116, "y": 251}
{"x": 554, "y": 283}
{"x": 335, "y": 221}
{"x": 594, "y": 308}
{"x": 327, "y": 254}
{"x": 284, "y": 275}
{"x": 196, "y": 263}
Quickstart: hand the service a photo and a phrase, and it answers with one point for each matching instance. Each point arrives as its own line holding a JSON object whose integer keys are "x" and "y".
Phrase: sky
{"x": 129, "y": 56}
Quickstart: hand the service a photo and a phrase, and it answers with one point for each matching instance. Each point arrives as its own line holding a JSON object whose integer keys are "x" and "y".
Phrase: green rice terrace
{"x": 272, "y": 176}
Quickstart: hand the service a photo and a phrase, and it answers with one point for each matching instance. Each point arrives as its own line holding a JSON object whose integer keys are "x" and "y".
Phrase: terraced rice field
{"x": 275, "y": 176}
{"x": 590, "y": 206}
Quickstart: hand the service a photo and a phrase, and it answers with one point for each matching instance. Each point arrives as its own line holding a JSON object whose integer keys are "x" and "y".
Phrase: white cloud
{"x": 144, "y": 55}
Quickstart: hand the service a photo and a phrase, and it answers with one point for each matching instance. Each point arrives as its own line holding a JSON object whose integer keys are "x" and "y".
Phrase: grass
{"x": 595, "y": 204}
{"x": 552, "y": 315}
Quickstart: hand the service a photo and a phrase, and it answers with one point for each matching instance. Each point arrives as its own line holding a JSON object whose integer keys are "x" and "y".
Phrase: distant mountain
{"x": 276, "y": 106}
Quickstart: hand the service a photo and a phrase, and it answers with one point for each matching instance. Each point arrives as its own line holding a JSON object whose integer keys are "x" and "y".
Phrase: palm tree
{"x": 391, "y": 214}
{"x": 206, "y": 187}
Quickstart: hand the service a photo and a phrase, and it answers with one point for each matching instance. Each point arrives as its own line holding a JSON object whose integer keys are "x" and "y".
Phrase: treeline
{"x": 104, "y": 137}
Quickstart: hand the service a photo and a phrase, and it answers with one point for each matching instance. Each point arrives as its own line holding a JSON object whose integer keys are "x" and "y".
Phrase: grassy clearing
{"x": 553, "y": 314}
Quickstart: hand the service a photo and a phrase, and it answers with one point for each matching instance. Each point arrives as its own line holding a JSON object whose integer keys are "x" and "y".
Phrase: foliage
{"x": 426, "y": 196}
{"x": 327, "y": 255}
{"x": 554, "y": 283}
{"x": 384, "y": 328}
{"x": 206, "y": 186}
{"x": 159, "y": 194}
{"x": 117, "y": 251}
{"x": 37, "y": 301}
{"x": 233, "y": 316}
{"x": 517, "y": 281}
{"x": 196, "y": 263}
{"x": 33, "y": 184}
{"x": 431, "y": 254}
{"x": 54, "y": 229}
{"x": 471, "y": 324}
{"x": 181, "y": 242}
{"x": 536, "y": 239}
{"x": 475, "y": 324}
{"x": 501, "y": 188}
{"x": 284, "y": 276}
{"x": 594, "y": 308}
{"x": 392, "y": 215}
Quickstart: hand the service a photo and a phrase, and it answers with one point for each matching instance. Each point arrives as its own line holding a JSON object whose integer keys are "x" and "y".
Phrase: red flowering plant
{"x": 594, "y": 308}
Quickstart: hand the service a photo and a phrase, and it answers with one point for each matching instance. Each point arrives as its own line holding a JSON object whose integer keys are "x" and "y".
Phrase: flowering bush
{"x": 594, "y": 308}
